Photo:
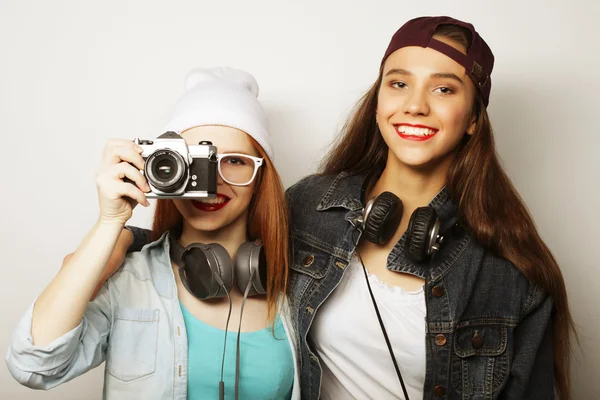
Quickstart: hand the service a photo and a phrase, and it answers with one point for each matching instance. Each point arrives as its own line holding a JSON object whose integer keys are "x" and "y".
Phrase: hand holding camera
{"x": 121, "y": 161}
{"x": 177, "y": 170}
{"x": 165, "y": 167}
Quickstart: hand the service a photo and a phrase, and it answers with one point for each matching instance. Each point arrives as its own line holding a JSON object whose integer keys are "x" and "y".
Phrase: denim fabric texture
{"x": 488, "y": 328}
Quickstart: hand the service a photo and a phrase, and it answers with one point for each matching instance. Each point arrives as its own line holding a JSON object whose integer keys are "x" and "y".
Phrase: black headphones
{"x": 207, "y": 272}
{"x": 381, "y": 216}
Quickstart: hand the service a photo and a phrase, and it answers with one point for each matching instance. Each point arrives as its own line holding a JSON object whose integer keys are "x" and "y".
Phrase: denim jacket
{"x": 135, "y": 323}
{"x": 488, "y": 328}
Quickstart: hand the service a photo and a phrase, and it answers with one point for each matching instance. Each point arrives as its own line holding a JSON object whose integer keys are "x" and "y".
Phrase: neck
{"x": 416, "y": 187}
{"x": 230, "y": 236}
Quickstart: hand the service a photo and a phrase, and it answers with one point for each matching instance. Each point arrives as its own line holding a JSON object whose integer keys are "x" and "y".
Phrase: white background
{"x": 75, "y": 73}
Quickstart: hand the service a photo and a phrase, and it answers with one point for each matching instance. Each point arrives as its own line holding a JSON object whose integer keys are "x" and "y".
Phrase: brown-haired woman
{"x": 482, "y": 313}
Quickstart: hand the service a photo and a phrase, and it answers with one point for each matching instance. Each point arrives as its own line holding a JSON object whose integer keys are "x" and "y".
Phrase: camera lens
{"x": 166, "y": 170}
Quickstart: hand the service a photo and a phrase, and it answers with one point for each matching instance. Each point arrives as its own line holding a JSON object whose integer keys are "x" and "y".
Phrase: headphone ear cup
{"x": 200, "y": 264}
{"x": 383, "y": 218}
{"x": 222, "y": 267}
{"x": 421, "y": 224}
{"x": 251, "y": 256}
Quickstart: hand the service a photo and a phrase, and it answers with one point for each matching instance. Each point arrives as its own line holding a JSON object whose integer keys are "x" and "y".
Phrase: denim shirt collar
{"x": 162, "y": 272}
{"x": 345, "y": 192}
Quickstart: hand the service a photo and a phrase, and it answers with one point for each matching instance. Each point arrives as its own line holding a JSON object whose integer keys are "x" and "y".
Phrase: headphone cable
{"x": 221, "y": 382}
{"x": 237, "y": 354}
{"x": 385, "y": 335}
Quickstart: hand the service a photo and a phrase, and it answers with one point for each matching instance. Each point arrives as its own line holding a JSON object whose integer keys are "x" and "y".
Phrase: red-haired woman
{"x": 161, "y": 321}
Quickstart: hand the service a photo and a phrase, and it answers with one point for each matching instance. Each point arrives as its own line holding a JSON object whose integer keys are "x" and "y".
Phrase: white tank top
{"x": 348, "y": 339}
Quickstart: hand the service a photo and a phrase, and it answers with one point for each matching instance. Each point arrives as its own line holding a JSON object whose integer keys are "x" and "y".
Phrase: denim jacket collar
{"x": 345, "y": 192}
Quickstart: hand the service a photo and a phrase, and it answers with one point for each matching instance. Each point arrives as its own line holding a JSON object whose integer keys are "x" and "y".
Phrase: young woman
{"x": 479, "y": 314}
{"x": 161, "y": 321}
{"x": 497, "y": 323}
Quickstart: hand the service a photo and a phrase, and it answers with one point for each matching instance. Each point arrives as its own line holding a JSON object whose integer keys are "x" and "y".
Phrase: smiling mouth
{"x": 211, "y": 204}
{"x": 415, "y": 132}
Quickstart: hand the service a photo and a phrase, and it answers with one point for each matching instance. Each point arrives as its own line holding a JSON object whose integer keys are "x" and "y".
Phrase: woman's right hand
{"x": 117, "y": 198}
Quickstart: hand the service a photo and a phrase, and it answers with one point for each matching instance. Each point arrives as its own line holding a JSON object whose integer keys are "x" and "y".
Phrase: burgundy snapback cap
{"x": 478, "y": 62}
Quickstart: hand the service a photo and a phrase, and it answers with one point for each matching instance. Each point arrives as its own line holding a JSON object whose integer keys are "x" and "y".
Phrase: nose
{"x": 416, "y": 103}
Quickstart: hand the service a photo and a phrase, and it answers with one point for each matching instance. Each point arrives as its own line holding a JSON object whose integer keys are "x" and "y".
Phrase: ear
{"x": 472, "y": 125}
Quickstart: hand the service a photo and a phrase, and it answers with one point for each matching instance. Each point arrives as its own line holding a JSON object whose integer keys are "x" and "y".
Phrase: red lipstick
{"x": 418, "y": 133}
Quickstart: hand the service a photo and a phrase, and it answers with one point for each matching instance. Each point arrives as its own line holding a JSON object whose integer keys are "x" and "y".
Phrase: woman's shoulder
{"x": 311, "y": 183}
{"x": 499, "y": 271}
{"x": 142, "y": 266}
{"x": 325, "y": 189}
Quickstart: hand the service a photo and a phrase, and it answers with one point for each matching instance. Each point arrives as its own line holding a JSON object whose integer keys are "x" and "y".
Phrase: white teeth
{"x": 215, "y": 200}
{"x": 411, "y": 130}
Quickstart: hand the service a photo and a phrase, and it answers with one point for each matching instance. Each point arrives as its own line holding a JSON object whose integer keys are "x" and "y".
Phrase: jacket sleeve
{"x": 141, "y": 237}
{"x": 532, "y": 370}
{"x": 67, "y": 357}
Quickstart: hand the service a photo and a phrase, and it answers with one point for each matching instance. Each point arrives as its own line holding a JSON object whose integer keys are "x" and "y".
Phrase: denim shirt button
{"x": 309, "y": 260}
{"x": 440, "y": 339}
{"x": 439, "y": 391}
{"x": 437, "y": 291}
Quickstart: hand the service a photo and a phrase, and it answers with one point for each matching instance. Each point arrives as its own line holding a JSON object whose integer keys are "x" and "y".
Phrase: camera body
{"x": 176, "y": 170}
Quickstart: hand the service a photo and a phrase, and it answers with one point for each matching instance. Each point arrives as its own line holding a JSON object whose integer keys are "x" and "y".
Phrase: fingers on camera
{"x": 118, "y": 150}
{"x": 129, "y": 174}
{"x": 126, "y": 189}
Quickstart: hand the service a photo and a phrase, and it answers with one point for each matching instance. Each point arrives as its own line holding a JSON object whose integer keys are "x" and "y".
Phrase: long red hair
{"x": 267, "y": 220}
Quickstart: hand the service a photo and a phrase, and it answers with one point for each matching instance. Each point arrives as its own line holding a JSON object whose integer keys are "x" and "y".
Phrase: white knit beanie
{"x": 221, "y": 96}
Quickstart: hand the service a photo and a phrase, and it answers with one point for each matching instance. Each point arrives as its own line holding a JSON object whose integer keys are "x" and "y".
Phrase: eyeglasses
{"x": 238, "y": 169}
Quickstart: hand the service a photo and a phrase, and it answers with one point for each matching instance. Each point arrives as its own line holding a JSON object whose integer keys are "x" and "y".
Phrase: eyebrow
{"x": 447, "y": 75}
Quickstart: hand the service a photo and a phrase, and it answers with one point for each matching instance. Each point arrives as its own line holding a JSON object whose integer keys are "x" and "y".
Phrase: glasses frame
{"x": 258, "y": 162}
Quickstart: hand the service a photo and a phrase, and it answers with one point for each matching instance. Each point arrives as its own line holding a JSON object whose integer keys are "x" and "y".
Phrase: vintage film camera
{"x": 177, "y": 170}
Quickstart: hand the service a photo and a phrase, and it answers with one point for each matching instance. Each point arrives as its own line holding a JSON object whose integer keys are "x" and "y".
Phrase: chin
{"x": 414, "y": 159}
{"x": 205, "y": 224}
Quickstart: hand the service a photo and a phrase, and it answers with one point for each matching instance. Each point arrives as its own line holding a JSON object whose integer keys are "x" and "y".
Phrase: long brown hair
{"x": 267, "y": 220}
{"x": 508, "y": 231}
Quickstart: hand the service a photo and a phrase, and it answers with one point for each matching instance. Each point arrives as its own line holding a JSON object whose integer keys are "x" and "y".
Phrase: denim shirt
{"x": 488, "y": 329}
{"x": 135, "y": 323}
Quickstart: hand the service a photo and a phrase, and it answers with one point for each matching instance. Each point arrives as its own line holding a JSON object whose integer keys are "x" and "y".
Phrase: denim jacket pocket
{"x": 310, "y": 261}
{"x": 133, "y": 343}
{"x": 481, "y": 362}
{"x": 309, "y": 266}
